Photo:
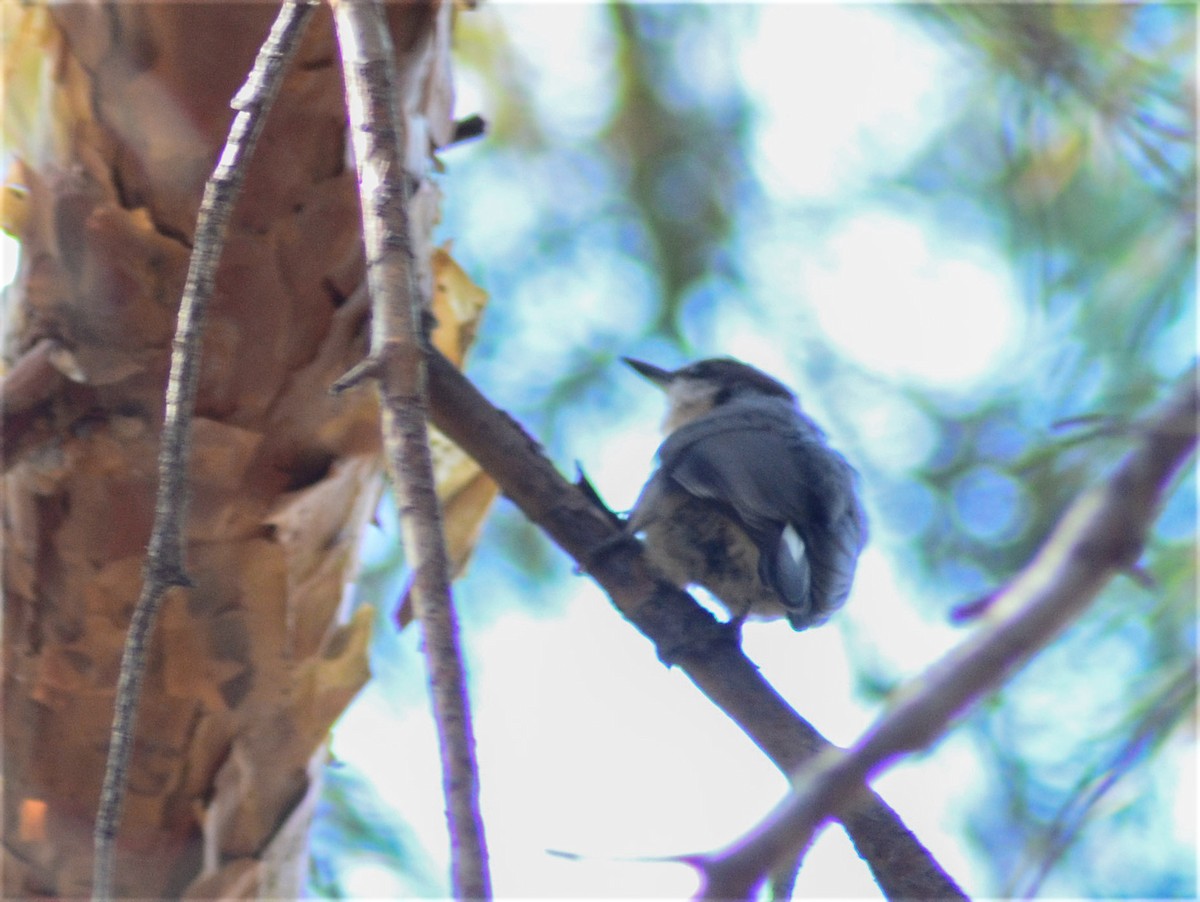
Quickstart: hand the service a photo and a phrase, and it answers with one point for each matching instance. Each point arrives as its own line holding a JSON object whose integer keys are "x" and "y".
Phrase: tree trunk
{"x": 250, "y": 666}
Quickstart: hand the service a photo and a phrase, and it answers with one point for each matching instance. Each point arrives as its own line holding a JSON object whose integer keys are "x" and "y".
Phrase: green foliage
{"x": 679, "y": 153}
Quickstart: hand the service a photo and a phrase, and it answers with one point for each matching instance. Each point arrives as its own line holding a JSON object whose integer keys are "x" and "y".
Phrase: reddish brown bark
{"x": 250, "y": 667}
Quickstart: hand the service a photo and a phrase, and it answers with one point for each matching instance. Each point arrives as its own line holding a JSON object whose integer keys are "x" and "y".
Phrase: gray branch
{"x": 397, "y": 363}
{"x": 164, "y": 558}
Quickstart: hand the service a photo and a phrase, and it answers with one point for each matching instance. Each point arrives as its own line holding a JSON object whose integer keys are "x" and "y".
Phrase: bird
{"x": 749, "y": 500}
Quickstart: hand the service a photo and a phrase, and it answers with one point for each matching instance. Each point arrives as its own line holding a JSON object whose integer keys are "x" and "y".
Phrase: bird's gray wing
{"x": 794, "y": 495}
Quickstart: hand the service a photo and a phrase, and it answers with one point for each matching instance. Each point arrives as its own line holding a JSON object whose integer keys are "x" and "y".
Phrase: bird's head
{"x": 695, "y": 389}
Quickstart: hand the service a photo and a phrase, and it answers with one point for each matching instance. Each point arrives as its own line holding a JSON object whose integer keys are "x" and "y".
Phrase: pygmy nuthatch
{"x": 749, "y": 501}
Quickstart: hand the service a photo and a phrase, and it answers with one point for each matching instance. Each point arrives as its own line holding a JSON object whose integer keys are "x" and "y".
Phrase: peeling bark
{"x": 249, "y": 667}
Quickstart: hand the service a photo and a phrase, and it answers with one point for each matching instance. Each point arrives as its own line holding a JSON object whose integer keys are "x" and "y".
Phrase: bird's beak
{"x": 656, "y": 374}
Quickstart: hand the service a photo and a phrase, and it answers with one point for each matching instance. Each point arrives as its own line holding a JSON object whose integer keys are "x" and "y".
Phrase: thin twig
{"x": 682, "y": 632}
{"x": 1100, "y": 535}
{"x": 164, "y": 558}
{"x": 397, "y": 352}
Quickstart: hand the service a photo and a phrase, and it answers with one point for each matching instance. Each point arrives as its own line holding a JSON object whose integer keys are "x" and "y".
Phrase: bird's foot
{"x": 586, "y": 561}
{"x": 733, "y": 628}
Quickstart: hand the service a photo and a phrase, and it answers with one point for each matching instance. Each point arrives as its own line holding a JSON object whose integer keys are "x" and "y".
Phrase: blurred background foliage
{"x": 620, "y": 204}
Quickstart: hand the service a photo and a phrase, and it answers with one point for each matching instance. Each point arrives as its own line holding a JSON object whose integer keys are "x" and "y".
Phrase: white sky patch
{"x": 902, "y": 436}
{"x": 743, "y": 338}
{"x": 373, "y": 878}
{"x": 10, "y": 250}
{"x": 883, "y": 615}
{"x": 469, "y": 94}
{"x": 812, "y": 671}
{"x": 595, "y": 748}
{"x": 845, "y": 93}
{"x": 399, "y": 751}
{"x": 910, "y": 302}
{"x": 572, "y": 62}
{"x": 619, "y": 461}
{"x": 1181, "y": 754}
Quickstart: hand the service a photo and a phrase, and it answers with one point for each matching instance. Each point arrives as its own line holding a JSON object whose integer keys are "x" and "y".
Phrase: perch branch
{"x": 1100, "y": 535}
{"x": 164, "y": 557}
{"x": 683, "y": 632}
{"x": 398, "y": 366}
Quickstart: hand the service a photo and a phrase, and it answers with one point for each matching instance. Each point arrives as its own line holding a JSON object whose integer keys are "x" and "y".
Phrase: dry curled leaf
{"x": 466, "y": 492}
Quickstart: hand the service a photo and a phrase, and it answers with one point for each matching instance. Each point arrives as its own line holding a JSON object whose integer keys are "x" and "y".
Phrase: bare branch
{"x": 1100, "y": 535}
{"x": 164, "y": 557}
{"x": 683, "y": 632}
{"x": 397, "y": 362}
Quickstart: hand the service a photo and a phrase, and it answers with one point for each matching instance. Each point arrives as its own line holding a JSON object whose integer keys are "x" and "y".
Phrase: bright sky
{"x": 9, "y": 249}
{"x": 848, "y": 95}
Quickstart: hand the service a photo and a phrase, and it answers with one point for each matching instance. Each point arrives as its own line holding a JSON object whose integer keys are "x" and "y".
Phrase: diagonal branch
{"x": 683, "y": 633}
{"x": 164, "y": 557}
{"x": 1100, "y": 535}
{"x": 397, "y": 362}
